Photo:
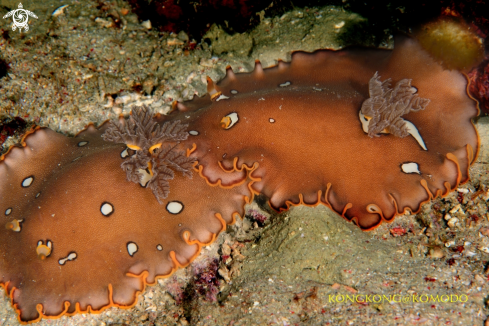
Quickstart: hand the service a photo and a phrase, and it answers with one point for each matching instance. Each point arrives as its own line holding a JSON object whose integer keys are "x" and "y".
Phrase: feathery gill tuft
{"x": 157, "y": 156}
{"x": 386, "y": 105}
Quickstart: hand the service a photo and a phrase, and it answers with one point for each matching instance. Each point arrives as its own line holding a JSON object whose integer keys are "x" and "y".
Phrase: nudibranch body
{"x": 89, "y": 239}
{"x": 83, "y": 232}
{"x": 301, "y": 122}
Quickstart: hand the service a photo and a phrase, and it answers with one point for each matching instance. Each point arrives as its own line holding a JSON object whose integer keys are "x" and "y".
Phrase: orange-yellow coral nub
{"x": 13, "y": 225}
{"x": 216, "y": 95}
{"x": 133, "y": 147}
{"x": 212, "y": 90}
{"x": 229, "y": 120}
{"x": 154, "y": 147}
{"x": 225, "y": 122}
{"x": 43, "y": 250}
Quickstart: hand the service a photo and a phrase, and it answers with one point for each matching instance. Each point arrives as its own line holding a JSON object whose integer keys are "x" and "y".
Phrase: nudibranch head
{"x": 157, "y": 154}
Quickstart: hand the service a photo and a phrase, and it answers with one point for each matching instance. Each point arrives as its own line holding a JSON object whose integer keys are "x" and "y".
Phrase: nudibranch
{"x": 90, "y": 220}
{"x": 80, "y": 238}
{"x": 328, "y": 128}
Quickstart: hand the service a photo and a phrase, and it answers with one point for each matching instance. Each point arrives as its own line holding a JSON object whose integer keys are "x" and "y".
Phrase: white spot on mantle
{"x": 106, "y": 209}
{"x": 410, "y": 167}
{"x": 230, "y": 120}
{"x": 132, "y": 248}
{"x": 27, "y": 181}
{"x": 174, "y": 207}
{"x": 222, "y": 97}
{"x": 71, "y": 256}
{"x": 125, "y": 153}
{"x": 145, "y": 177}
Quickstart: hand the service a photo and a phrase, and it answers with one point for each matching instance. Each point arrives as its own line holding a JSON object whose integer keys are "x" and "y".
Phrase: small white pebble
{"x": 469, "y": 253}
{"x": 339, "y": 25}
{"x": 450, "y": 243}
{"x": 146, "y": 24}
{"x": 59, "y": 11}
{"x": 484, "y": 249}
{"x": 453, "y": 222}
{"x": 455, "y": 209}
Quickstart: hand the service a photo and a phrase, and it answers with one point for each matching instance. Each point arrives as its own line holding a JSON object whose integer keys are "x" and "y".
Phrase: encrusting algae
{"x": 452, "y": 43}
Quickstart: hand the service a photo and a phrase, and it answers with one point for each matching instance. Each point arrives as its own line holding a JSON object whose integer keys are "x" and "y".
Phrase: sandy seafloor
{"x": 62, "y": 74}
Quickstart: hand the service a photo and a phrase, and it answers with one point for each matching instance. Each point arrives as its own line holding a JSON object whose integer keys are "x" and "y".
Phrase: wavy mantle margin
{"x": 372, "y": 208}
{"x": 10, "y": 292}
{"x": 471, "y": 157}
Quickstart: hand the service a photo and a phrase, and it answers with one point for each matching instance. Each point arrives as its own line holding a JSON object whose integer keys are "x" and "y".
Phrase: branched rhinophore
{"x": 386, "y": 106}
{"x": 157, "y": 156}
